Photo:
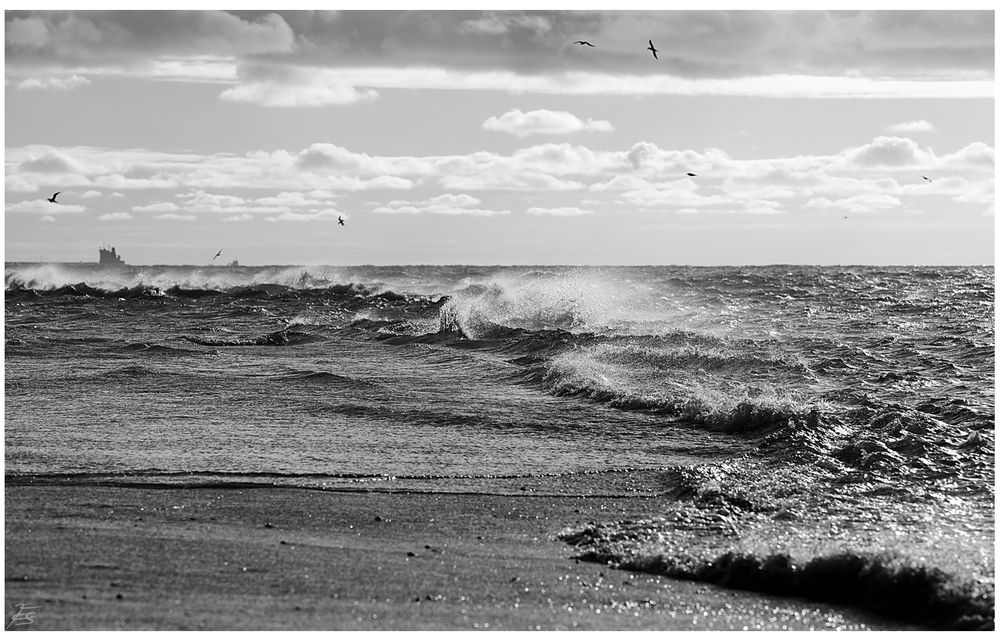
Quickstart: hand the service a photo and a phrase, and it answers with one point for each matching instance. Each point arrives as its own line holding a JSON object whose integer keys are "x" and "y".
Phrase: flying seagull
{"x": 583, "y": 42}
{"x": 340, "y": 220}
{"x": 692, "y": 175}
{"x": 53, "y": 199}
{"x": 217, "y": 255}
{"x": 927, "y": 179}
{"x": 653, "y": 49}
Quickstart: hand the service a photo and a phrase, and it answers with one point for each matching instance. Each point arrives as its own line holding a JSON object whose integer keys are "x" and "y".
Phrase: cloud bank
{"x": 307, "y": 59}
{"x": 881, "y": 175}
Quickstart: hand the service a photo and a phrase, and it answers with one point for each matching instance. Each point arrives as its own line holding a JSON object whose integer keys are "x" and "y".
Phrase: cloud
{"x": 502, "y": 23}
{"x": 58, "y": 83}
{"x": 238, "y": 218}
{"x": 206, "y": 69}
{"x": 860, "y": 203}
{"x": 447, "y": 204}
{"x": 42, "y": 207}
{"x": 176, "y": 217}
{"x": 977, "y": 155}
{"x": 558, "y": 211}
{"x": 326, "y": 214}
{"x": 91, "y": 193}
{"x": 911, "y": 126}
{"x": 156, "y": 207}
{"x": 886, "y": 151}
{"x": 327, "y": 156}
{"x": 204, "y": 202}
{"x": 292, "y": 199}
{"x": 286, "y": 86}
{"x": 511, "y": 181}
{"x": 313, "y": 58}
{"x": 543, "y": 121}
{"x": 83, "y": 36}
{"x": 305, "y": 181}
{"x": 119, "y": 215}
{"x": 52, "y": 162}
{"x": 348, "y": 85}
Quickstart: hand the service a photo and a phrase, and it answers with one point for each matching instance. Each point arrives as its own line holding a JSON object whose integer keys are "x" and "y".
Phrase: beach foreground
{"x": 98, "y": 557}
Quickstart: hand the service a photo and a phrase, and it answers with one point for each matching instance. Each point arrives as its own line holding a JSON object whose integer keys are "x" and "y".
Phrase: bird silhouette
{"x": 53, "y": 199}
{"x": 927, "y": 179}
{"x": 217, "y": 255}
{"x": 653, "y": 49}
{"x": 583, "y": 42}
{"x": 340, "y": 221}
{"x": 690, "y": 174}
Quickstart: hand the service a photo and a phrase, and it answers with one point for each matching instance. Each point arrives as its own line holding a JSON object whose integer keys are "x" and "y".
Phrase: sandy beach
{"x": 97, "y": 557}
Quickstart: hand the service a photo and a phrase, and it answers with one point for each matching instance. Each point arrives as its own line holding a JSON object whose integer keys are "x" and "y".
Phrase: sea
{"x": 823, "y": 432}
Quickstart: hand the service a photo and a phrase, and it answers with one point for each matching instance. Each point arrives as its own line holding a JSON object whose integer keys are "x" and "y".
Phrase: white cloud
{"x": 312, "y": 95}
{"x": 977, "y": 155}
{"x": 278, "y": 182}
{"x": 119, "y": 215}
{"x": 911, "y": 126}
{"x": 860, "y": 203}
{"x": 501, "y": 23}
{"x": 447, "y": 204}
{"x": 176, "y": 217}
{"x": 887, "y": 151}
{"x": 52, "y": 162}
{"x": 291, "y": 199}
{"x": 543, "y": 121}
{"x": 238, "y": 218}
{"x": 559, "y": 211}
{"x": 156, "y": 207}
{"x": 47, "y": 219}
{"x": 20, "y": 183}
{"x": 326, "y": 214}
{"x": 511, "y": 181}
{"x": 57, "y": 83}
{"x": 118, "y": 181}
{"x": 759, "y": 207}
{"x": 42, "y": 207}
{"x": 91, "y": 193}
{"x": 204, "y": 202}
{"x": 195, "y": 69}
{"x": 316, "y": 86}
{"x": 286, "y": 86}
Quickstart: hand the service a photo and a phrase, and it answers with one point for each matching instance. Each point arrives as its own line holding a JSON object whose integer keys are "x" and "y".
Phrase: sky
{"x": 492, "y": 137}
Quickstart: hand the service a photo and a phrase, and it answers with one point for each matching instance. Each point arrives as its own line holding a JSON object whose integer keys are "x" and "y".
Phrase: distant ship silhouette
{"x": 110, "y": 258}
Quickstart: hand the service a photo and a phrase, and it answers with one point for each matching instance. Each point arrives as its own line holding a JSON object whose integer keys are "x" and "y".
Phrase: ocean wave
{"x": 730, "y": 389}
{"x": 572, "y": 300}
{"x": 276, "y": 338}
{"x": 153, "y": 349}
{"x": 880, "y": 583}
{"x": 349, "y": 297}
{"x": 325, "y": 378}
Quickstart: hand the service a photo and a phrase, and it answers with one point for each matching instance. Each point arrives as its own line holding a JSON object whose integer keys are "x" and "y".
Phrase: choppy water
{"x": 799, "y": 417}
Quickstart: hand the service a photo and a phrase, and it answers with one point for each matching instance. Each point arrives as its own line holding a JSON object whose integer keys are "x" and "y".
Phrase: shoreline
{"x": 127, "y": 558}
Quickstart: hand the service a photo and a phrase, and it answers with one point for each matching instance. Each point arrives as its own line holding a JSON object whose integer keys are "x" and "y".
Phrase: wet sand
{"x": 96, "y": 557}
